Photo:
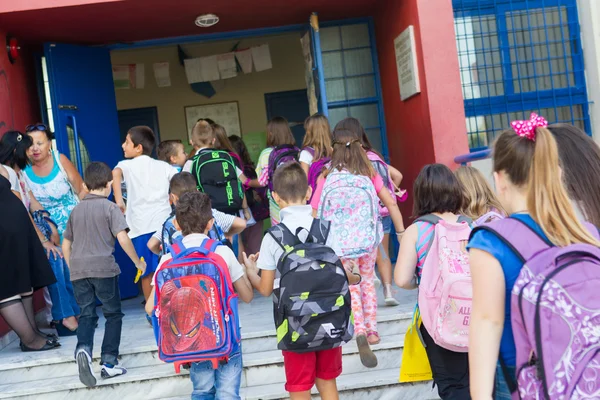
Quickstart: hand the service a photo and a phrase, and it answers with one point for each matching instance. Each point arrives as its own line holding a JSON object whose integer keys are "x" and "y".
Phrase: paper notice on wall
{"x": 202, "y": 69}
{"x": 162, "y": 74}
{"x": 140, "y": 76}
{"x": 122, "y": 76}
{"x": 244, "y": 57}
{"x": 193, "y": 70}
{"x": 261, "y": 56}
{"x": 227, "y": 65}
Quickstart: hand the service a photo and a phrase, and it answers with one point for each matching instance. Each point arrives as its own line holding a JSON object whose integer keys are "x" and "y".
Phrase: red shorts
{"x": 301, "y": 369}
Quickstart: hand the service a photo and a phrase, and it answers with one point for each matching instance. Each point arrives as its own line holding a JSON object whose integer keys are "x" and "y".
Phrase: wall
{"x": 248, "y": 90}
{"x": 19, "y": 105}
{"x": 430, "y": 126}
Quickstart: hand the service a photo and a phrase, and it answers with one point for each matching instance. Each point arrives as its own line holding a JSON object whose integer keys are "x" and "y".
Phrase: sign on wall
{"x": 224, "y": 114}
{"x": 406, "y": 62}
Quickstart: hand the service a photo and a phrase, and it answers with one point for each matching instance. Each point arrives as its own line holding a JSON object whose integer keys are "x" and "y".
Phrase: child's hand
{"x": 247, "y": 215}
{"x": 141, "y": 265}
{"x": 122, "y": 206}
{"x": 250, "y": 263}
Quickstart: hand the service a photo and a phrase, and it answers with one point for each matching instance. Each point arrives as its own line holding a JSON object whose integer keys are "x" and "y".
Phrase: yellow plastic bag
{"x": 415, "y": 364}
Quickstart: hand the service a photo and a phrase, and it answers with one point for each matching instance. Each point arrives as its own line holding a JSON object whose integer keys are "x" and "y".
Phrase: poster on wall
{"x": 162, "y": 74}
{"x": 406, "y": 62}
{"x": 225, "y": 114}
{"x": 129, "y": 76}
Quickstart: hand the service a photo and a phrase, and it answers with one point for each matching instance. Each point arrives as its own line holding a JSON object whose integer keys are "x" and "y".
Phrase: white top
{"x": 292, "y": 217}
{"x": 17, "y": 184}
{"x": 306, "y": 157}
{"x": 147, "y": 183}
{"x": 187, "y": 167}
{"x": 236, "y": 271}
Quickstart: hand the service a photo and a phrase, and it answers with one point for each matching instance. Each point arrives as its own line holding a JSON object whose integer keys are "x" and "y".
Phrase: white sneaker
{"x": 110, "y": 371}
{"x": 377, "y": 282}
{"x": 84, "y": 365}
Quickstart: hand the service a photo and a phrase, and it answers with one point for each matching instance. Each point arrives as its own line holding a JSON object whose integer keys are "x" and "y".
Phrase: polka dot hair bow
{"x": 527, "y": 128}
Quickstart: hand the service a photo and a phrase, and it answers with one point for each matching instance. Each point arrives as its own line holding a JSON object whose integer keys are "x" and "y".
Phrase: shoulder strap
{"x": 518, "y": 236}
{"x": 210, "y": 245}
{"x": 430, "y": 218}
{"x": 463, "y": 218}
{"x": 56, "y": 155}
{"x": 310, "y": 150}
{"x": 162, "y": 232}
{"x": 283, "y": 236}
{"x": 319, "y": 231}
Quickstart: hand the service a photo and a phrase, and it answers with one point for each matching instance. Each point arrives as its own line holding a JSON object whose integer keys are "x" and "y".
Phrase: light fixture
{"x": 207, "y": 20}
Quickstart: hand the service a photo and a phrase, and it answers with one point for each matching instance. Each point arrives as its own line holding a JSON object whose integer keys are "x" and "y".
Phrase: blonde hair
{"x": 478, "y": 197}
{"x": 202, "y": 134}
{"x": 535, "y": 166}
{"x": 318, "y": 136}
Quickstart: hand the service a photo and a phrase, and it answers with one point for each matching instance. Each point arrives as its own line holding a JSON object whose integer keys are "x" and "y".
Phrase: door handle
{"x": 67, "y": 107}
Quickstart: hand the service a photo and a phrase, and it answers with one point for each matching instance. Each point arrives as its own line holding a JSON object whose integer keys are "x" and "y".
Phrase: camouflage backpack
{"x": 312, "y": 306}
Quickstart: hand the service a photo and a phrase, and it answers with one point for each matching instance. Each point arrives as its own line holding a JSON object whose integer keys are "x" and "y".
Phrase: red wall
{"x": 428, "y": 127}
{"x": 19, "y": 105}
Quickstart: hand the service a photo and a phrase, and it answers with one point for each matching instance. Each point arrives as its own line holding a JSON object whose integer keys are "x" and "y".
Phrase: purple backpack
{"x": 315, "y": 170}
{"x": 279, "y": 156}
{"x": 555, "y": 315}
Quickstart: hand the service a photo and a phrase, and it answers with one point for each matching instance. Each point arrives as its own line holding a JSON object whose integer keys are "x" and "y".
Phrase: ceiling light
{"x": 207, "y": 20}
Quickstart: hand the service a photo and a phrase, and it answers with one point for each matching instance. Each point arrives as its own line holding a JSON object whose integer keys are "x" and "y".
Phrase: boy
{"x": 182, "y": 183}
{"x": 88, "y": 246}
{"x": 291, "y": 192}
{"x": 194, "y": 219}
{"x": 173, "y": 153}
{"x": 147, "y": 194}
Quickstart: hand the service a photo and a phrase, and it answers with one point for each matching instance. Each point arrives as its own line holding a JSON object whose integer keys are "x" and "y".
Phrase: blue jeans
{"x": 61, "y": 292}
{"x": 221, "y": 384}
{"x": 502, "y": 392}
{"x": 107, "y": 291}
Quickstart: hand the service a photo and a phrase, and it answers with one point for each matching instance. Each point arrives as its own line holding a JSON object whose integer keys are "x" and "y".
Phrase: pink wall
{"x": 19, "y": 105}
{"x": 428, "y": 127}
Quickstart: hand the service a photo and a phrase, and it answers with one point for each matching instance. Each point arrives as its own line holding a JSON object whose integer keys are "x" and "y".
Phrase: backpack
{"x": 279, "y": 156}
{"x": 555, "y": 315}
{"x": 315, "y": 170}
{"x": 195, "y": 315}
{"x": 445, "y": 287}
{"x": 349, "y": 202}
{"x": 216, "y": 176}
{"x": 488, "y": 217}
{"x": 258, "y": 202}
{"x": 312, "y": 307}
{"x": 381, "y": 168}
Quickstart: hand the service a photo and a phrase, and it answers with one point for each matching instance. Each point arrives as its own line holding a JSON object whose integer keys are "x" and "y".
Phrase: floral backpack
{"x": 351, "y": 204}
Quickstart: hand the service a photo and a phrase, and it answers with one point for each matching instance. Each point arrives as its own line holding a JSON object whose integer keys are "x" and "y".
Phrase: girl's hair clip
{"x": 19, "y": 137}
{"x": 348, "y": 144}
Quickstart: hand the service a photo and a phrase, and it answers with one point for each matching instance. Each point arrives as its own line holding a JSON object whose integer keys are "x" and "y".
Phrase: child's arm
{"x": 127, "y": 246}
{"x": 150, "y": 302}
{"x": 238, "y": 226}
{"x": 154, "y": 245}
{"x": 390, "y": 203}
{"x": 244, "y": 289}
{"x": 66, "y": 249}
{"x": 404, "y": 273}
{"x": 245, "y": 209}
{"x": 117, "y": 180}
{"x": 262, "y": 283}
{"x": 395, "y": 175}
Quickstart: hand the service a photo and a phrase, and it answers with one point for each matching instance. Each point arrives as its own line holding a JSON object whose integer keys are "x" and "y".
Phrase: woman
{"x": 528, "y": 183}
{"x": 24, "y": 268}
{"x": 57, "y": 185}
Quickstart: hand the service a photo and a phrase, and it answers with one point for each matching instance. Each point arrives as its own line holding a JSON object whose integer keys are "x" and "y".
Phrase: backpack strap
{"x": 210, "y": 245}
{"x": 319, "y": 231}
{"x": 430, "y": 218}
{"x": 178, "y": 249}
{"x": 162, "y": 232}
{"x": 283, "y": 236}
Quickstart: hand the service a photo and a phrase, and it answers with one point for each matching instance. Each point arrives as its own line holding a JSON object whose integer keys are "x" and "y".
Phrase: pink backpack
{"x": 381, "y": 168}
{"x": 445, "y": 288}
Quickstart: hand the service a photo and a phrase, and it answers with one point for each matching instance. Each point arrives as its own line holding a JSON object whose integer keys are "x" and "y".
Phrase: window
{"x": 517, "y": 57}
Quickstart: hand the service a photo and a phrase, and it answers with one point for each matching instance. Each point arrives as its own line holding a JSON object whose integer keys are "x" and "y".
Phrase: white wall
{"x": 589, "y": 19}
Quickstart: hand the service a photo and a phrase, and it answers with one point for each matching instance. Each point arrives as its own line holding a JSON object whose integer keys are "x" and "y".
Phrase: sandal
{"x": 367, "y": 357}
{"x": 373, "y": 338}
{"x": 48, "y": 346}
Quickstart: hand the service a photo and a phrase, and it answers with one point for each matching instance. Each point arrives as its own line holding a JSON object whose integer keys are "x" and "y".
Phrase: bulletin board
{"x": 225, "y": 114}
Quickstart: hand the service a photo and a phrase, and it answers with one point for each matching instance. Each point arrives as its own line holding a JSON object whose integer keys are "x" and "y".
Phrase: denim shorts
{"x": 387, "y": 224}
{"x": 502, "y": 392}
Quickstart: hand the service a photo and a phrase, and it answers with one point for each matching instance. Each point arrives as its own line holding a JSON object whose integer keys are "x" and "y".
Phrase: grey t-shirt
{"x": 92, "y": 228}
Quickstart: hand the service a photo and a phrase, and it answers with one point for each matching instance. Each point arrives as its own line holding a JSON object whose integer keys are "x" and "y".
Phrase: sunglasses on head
{"x": 36, "y": 127}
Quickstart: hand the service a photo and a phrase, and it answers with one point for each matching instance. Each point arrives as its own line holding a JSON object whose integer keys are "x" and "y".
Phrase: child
{"x": 317, "y": 142}
{"x": 357, "y": 227}
{"x": 222, "y": 142}
{"x": 147, "y": 194}
{"x": 194, "y": 219}
{"x": 173, "y": 153}
{"x": 291, "y": 191}
{"x": 183, "y": 183}
{"x": 278, "y": 134}
{"x": 88, "y": 246}
{"x": 436, "y": 191}
{"x": 479, "y": 201}
{"x": 392, "y": 179}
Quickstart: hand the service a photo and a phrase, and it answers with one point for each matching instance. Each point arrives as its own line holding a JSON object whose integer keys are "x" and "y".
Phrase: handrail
{"x": 474, "y": 156}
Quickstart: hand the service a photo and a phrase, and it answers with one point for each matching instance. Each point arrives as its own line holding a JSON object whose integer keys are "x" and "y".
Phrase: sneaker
{"x": 388, "y": 294}
{"x": 84, "y": 365}
{"x": 110, "y": 370}
{"x": 376, "y": 282}
{"x": 367, "y": 357}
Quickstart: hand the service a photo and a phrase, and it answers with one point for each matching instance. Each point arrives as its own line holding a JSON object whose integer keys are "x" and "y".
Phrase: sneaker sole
{"x": 367, "y": 357}
{"x": 391, "y": 302}
{"x": 86, "y": 375}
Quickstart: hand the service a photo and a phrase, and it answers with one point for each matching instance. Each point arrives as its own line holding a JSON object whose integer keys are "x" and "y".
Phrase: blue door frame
{"x": 299, "y": 28}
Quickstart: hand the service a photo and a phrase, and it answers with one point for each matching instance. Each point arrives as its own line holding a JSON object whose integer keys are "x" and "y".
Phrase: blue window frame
{"x": 517, "y": 57}
{"x": 351, "y": 72}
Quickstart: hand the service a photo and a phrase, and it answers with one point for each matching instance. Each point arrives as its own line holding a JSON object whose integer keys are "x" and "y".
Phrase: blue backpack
{"x": 195, "y": 315}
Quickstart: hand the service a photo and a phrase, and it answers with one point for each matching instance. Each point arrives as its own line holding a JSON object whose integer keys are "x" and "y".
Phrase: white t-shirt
{"x": 187, "y": 167}
{"x": 225, "y": 222}
{"x": 236, "y": 271}
{"x": 306, "y": 157}
{"x": 147, "y": 183}
{"x": 18, "y": 185}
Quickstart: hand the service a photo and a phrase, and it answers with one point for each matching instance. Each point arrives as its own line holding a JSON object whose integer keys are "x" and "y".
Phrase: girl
{"x": 528, "y": 182}
{"x": 478, "y": 198}
{"x": 278, "y": 134}
{"x": 222, "y": 143}
{"x": 349, "y": 162}
{"x": 257, "y": 199}
{"x": 317, "y": 141}
{"x": 436, "y": 191}
{"x": 392, "y": 178}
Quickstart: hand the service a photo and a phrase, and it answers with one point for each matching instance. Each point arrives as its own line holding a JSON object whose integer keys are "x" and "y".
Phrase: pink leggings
{"x": 364, "y": 297}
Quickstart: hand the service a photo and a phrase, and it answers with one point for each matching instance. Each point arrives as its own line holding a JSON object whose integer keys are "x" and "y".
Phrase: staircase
{"x": 52, "y": 375}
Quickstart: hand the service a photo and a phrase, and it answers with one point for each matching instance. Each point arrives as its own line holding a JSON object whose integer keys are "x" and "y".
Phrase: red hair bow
{"x": 527, "y": 128}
